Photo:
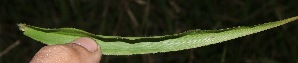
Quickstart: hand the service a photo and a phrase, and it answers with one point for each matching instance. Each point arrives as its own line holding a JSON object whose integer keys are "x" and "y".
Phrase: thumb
{"x": 81, "y": 50}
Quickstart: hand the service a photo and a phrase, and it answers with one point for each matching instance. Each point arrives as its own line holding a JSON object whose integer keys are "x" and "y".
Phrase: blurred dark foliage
{"x": 158, "y": 17}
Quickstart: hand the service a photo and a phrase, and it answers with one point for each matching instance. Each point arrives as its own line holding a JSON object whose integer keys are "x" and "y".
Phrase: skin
{"x": 81, "y": 50}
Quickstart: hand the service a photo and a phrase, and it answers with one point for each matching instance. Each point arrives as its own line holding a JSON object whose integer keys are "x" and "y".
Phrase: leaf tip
{"x": 22, "y": 26}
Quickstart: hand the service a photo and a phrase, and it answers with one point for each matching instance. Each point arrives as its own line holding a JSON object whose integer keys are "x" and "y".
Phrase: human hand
{"x": 81, "y": 50}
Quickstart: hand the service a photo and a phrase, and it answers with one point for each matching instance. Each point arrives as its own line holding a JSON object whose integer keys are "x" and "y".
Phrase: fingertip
{"x": 94, "y": 53}
{"x": 80, "y": 50}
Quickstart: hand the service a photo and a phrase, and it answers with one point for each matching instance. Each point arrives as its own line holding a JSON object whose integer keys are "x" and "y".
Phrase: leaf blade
{"x": 186, "y": 40}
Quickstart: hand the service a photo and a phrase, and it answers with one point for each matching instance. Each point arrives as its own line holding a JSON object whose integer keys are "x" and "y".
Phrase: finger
{"x": 82, "y": 50}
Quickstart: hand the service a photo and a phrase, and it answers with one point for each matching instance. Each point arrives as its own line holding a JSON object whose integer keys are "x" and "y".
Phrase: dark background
{"x": 158, "y": 17}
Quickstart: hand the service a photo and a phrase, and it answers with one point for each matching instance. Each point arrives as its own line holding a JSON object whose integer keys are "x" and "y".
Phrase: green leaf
{"x": 117, "y": 45}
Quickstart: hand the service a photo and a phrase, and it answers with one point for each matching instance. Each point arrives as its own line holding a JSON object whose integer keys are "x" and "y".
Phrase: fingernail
{"x": 87, "y": 43}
